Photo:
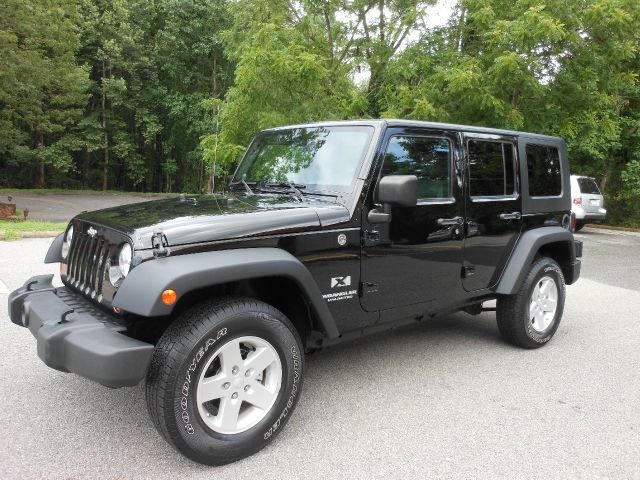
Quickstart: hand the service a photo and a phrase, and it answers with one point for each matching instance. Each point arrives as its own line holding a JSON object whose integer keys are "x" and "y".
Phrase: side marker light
{"x": 169, "y": 297}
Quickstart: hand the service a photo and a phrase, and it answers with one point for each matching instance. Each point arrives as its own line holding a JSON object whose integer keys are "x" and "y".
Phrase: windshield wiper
{"x": 294, "y": 188}
{"x": 246, "y": 186}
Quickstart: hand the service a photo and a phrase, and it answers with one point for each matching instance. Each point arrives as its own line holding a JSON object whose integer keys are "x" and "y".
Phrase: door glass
{"x": 543, "y": 165}
{"x": 428, "y": 158}
{"x": 491, "y": 170}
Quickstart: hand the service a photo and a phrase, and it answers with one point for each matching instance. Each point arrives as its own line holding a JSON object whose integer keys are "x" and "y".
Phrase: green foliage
{"x": 42, "y": 87}
{"x": 157, "y": 96}
{"x": 631, "y": 179}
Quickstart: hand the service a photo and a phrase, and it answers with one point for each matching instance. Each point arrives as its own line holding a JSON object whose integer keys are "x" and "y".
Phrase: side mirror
{"x": 394, "y": 190}
{"x": 398, "y": 190}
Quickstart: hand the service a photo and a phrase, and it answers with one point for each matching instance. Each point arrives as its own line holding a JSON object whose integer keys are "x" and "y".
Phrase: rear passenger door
{"x": 493, "y": 207}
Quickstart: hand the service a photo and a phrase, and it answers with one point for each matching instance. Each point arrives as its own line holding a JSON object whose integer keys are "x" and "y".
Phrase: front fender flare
{"x": 54, "y": 254}
{"x": 140, "y": 291}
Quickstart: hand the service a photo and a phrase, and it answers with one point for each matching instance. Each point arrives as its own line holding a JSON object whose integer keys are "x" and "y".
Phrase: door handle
{"x": 511, "y": 216}
{"x": 449, "y": 221}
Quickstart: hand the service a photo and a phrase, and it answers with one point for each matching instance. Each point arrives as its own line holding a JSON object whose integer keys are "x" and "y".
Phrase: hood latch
{"x": 160, "y": 245}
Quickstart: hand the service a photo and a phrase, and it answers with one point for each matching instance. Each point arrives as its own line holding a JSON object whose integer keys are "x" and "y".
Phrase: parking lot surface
{"x": 61, "y": 207}
{"x": 442, "y": 399}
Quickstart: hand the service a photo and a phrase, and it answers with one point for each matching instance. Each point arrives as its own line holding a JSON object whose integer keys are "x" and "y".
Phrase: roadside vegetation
{"x": 15, "y": 229}
{"x": 164, "y": 96}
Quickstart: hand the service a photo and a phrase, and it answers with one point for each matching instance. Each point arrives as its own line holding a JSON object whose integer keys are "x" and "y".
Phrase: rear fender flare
{"x": 528, "y": 246}
{"x": 140, "y": 291}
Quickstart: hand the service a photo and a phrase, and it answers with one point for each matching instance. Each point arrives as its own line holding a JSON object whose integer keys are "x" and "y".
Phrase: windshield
{"x": 319, "y": 158}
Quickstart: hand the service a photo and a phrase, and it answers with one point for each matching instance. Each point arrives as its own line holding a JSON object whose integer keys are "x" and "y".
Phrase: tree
{"x": 284, "y": 74}
{"x": 42, "y": 88}
{"x": 152, "y": 64}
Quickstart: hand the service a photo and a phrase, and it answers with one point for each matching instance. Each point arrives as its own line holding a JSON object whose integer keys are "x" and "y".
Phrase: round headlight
{"x": 124, "y": 259}
{"x": 115, "y": 277}
{"x": 67, "y": 242}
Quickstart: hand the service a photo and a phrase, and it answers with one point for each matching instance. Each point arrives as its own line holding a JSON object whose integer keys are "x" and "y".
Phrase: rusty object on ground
{"x": 7, "y": 209}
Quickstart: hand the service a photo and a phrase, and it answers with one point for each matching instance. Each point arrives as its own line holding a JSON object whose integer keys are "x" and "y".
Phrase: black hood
{"x": 205, "y": 218}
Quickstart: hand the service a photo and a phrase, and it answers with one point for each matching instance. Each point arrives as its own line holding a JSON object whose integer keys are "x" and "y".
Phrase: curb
{"x": 611, "y": 227}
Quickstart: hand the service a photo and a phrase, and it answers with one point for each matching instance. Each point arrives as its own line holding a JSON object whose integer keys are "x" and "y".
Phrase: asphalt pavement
{"x": 442, "y": 399}
{"x": 61, "y": 207}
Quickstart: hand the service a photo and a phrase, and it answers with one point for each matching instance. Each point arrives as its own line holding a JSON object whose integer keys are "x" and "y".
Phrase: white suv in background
{"x": 587, "y": 203}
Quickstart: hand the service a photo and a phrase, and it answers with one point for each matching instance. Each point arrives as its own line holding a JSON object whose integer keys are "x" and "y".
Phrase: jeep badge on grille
{"x": 92, "y": 232}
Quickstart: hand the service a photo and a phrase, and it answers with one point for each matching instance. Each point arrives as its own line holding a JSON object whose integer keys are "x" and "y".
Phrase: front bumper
{"x": 75, "y": 336}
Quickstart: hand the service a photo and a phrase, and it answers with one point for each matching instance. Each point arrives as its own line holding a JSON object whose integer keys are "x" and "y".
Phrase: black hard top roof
{"x": 394, "y": 122}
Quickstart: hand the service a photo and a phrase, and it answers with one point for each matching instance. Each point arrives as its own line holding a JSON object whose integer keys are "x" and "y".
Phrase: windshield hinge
{"x": 160, "y": 245}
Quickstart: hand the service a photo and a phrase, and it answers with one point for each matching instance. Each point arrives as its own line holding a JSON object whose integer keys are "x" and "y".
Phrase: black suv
{"x": 328, "y": 232}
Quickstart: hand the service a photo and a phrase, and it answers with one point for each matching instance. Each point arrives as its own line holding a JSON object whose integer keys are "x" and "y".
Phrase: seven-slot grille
{"x": 88, "y": 259}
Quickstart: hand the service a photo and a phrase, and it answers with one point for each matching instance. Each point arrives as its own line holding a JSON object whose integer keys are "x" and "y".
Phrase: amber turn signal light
{"x": 169, "y": 297}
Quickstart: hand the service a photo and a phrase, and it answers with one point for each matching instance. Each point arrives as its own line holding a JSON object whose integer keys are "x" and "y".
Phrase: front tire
{"x": 224, "y": 379}
{"x": 530, "y": 317}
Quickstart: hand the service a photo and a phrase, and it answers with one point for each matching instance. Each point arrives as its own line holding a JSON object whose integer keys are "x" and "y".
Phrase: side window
{"x": 491, "y": 168}
{"x": 428, "y": 158}
{"x": 543, "y": 165}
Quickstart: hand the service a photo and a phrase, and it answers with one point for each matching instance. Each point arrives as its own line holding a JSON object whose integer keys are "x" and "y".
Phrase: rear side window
{"x": 428, "y": 158}
{"x": 491, "y": 169}
{"x": 543, "y": 164}
{"x": 588, "y": 185}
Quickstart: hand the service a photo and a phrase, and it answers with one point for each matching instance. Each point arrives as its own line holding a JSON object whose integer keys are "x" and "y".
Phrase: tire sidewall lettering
{"x": 295, "y": 357}
{"x": 186, "y": 389}
{"x": 535, "y": 336}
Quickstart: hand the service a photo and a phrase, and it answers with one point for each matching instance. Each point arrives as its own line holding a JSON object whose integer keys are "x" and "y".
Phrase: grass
{"x": 14, "y": 229}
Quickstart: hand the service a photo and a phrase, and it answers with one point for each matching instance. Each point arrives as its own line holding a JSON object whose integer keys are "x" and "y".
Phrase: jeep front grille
{"x": 88, "y": 258}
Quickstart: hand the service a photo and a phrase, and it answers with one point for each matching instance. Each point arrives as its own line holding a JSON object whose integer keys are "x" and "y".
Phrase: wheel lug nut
{"x": 234, "y": 370}
{"x": 226, "y": 386}
{"x": 248, "y": 373}
{"x": 235, "y": 395}
{"x": 247, "y": 388}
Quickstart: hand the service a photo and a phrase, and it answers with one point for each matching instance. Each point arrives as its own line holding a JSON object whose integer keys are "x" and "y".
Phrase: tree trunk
{"x": 105, "y": 169}
{"x": 210, "y": 183}
{"x": 461, "y": 22}
{"x": 215, "y": 74}
{"x": 85, "y": 167}
{"x": 372, "y": 91}
{"x": 39, "y": 137}
{"x": 515, "y": 96}
{"x": 607, "y": 175}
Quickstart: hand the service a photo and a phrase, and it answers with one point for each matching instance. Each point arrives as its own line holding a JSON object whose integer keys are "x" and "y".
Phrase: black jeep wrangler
{"x": 329, "y": 231}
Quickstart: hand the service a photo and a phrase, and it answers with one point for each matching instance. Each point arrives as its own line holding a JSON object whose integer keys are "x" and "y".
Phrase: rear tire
{"x": 203, "y": 393}
{"x": 530, "y": 317}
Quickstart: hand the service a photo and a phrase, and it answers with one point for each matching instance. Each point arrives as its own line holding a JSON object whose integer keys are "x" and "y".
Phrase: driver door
{"x": 416, "y": 257}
